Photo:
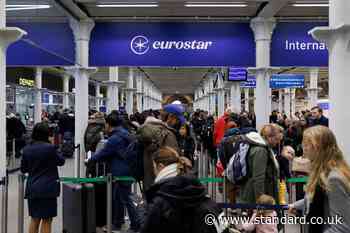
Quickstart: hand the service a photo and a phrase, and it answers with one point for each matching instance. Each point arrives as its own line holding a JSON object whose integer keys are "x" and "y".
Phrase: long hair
{"x": 327, "y": 157}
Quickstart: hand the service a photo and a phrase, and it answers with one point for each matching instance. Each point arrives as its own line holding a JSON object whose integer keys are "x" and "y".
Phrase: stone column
{"x": 81, "y": 31}
{"x": 66, "y": 78}
{"x": 337, "y": 38}
{"x": 263, "y": 29}
{"x": 38, "y": 99}
{"x": 313, "y": 88}
{"x": 235, "y": 102}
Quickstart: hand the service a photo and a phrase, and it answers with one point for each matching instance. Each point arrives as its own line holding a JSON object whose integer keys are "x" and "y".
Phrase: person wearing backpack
{"x": 176, "y": 202}
{"x": 262, "y": 175}
{"x": 113, "y": 152}
{"x": 155, "y": 133}
{"x": 93, "y": 131}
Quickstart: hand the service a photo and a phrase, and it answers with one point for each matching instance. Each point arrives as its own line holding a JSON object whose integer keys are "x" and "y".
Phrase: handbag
{"x": 301, "y": 164}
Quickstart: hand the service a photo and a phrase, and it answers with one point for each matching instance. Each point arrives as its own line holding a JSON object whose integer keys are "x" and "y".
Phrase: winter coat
{"x": 113, "y": 152}
{"x": 187, "y": 147}
{"x": 40, "y": 161}
{"x": 322, "y": 121}
{"x": 263, "y": 171}
{"x": 150, "y": 133}
{"x": 92, "y": 134}
{"x": 178, "y": 205}
{"x": 219, "y": 130}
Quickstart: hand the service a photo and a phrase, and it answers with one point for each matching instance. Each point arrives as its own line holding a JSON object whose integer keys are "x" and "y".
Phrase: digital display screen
{"x": 237, "y": 74}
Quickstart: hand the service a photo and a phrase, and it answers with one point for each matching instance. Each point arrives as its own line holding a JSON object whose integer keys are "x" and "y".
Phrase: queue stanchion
{"x": 214, "y": 183}
{"x": 224, "y": 196}
{"x": 109, "y": 202}
{"x": 20, "y": 223}
{"x": 4, "y": 199}
{"x": 13, "y": 156}
{"x": 77, "y": 161}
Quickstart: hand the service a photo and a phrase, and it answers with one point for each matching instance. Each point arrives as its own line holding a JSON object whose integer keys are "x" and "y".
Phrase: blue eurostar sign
{"x": 172, "y": 44}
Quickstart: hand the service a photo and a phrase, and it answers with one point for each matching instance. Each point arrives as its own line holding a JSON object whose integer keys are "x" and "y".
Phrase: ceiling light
{"x": 26, "y": 7}
{"x": 215, "y": 4}
{"x": 311, "y": 5}
{"x": 147, "y": 4}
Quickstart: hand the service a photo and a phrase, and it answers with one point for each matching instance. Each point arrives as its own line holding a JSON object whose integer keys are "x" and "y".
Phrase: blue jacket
{"x": 113, "y": 151}
{"x": 40, "y": 161}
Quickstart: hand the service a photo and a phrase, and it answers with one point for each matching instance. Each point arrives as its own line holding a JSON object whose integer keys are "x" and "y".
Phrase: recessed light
{"x": 310, "y": 5}
{"x": 26, "y": 7}
{"x": 121, "y": 5}
{"x": 216, "y": 4}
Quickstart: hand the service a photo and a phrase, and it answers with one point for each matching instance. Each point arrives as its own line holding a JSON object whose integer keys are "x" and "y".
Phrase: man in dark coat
{"x": 318, "y": 118}
{"x": 113, "y": 152}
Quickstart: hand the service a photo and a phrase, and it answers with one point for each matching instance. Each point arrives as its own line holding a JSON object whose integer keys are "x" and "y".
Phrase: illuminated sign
{"x": 26, "y": 82}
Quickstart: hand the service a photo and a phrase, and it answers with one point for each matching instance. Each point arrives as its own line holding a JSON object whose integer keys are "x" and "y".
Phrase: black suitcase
{"x": 78, "y": 208}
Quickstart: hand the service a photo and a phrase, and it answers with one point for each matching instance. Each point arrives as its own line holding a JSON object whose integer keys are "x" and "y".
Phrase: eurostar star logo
{"x": 139, "y": 45}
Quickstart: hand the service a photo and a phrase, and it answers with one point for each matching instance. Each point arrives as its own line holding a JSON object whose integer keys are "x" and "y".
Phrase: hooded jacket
{"x": 92, "y": 134}
{"x": 178, "y": 205}
{"x": 263, "y": 171}
{"x": 149, "y": 132}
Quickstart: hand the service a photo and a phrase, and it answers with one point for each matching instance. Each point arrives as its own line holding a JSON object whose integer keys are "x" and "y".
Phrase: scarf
{"x": 167, "y": 172}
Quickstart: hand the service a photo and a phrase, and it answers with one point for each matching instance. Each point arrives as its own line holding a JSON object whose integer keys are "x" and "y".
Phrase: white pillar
{"x": 246, "y": 99}
{"x": 38, "y": 86}
{"x": 130, "y": 92}
{"x": 113, "y": 89}
{"x": 293, "y": 102}
{"x": 337, "y": 37}
{"x": 145, "y": 95}
{"x": 313, "y": 88}
{"x": 263, "y": 29}
{"x": 81, "y": 30}
{"x": 66, "y": 78}
{"x": 280, "y": 100}
{"x": 7, "y": 37}
{"x": 235, "y": 90}
{"x": 287, "y": 103}
{"x": 98, "y": 95}
{"x": 221, "y": 97}
{"x": 139, "y": 93}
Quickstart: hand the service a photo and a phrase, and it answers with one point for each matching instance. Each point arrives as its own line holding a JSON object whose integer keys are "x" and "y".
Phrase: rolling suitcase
{"x": 78, "y": 208}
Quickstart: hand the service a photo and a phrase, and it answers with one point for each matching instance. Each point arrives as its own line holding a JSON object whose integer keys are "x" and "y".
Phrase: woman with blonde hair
{"x": 327, "y": 193}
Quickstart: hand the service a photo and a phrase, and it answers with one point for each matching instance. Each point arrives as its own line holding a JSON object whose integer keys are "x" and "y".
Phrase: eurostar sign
{"x": 140, "y": 45}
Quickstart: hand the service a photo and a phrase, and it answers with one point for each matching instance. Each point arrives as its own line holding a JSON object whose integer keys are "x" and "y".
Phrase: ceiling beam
{"x": 272, "y": 8}
{"x": 71, "y": 9}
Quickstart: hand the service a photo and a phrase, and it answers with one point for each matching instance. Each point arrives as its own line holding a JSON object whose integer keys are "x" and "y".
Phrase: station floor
{"x": 67, "y": 171}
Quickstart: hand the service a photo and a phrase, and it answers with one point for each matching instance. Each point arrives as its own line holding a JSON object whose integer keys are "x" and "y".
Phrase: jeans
{"x": 122, "y": 198}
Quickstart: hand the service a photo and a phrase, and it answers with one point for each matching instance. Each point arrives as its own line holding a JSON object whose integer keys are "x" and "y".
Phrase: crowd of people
{"x": 159, "y": 149}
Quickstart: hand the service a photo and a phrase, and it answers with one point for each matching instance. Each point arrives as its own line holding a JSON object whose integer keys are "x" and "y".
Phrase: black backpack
{"x": 134, "y": 158}
{"x": 67, "y": 147}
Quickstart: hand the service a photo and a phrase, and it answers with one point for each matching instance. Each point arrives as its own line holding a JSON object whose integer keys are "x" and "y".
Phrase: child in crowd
{"x": 262, "y": 221}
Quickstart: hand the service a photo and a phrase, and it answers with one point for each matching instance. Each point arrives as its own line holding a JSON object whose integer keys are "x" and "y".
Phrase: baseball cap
{"x": 176, "y": 110}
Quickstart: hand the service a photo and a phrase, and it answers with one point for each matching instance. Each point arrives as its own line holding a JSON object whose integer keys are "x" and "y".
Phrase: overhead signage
{"x": 324, "y": 105}
{"x": 46, "y": 44}
{"x": 292, "y": 45}
{"x": 250, "y": 83}
{"x": 278, "y": 81}
{"x": 172, "y": 44}
{"x": 237, "y": 74}
{"x": 26, "y": 82}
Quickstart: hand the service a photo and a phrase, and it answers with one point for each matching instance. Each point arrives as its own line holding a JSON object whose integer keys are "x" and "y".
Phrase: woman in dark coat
{"x": 176, "y": 203}
{"x": 186, "y": 143}
{"x": 40, "y": 161}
